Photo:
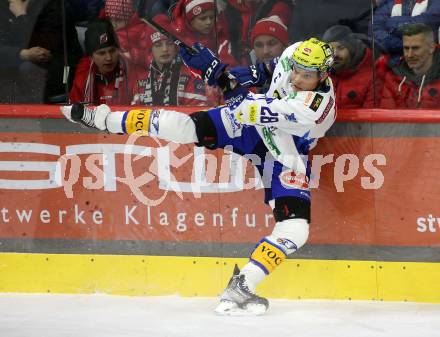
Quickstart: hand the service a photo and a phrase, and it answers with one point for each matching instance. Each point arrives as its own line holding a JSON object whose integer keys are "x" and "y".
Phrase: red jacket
{"x": 354, "y": 87}
{"x": 134, "y": 39}
{"x": 218, "y": 41}
{"x": 403, "y": 89}
{"x": 244, "y": 18}
{"x": 183, "y": 88}
{"x": 92, "y": 87}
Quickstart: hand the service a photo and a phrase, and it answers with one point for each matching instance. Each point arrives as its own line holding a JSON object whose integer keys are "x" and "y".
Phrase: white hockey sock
{"x": 253, "y": 274}
{"x": 176, "y": 127}
{"x": 114, "y": 122}
{"x": 171, "y": 126}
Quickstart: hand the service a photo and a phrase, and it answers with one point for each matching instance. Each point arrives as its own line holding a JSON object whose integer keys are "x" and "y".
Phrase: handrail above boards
{"x": 344, "y": 115}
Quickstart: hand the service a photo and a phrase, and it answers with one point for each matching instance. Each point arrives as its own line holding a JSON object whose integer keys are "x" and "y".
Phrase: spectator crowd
{"x": 104, "y": 51}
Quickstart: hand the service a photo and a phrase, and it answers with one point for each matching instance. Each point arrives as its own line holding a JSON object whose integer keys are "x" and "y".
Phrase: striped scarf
{"x": 161, "y": 86}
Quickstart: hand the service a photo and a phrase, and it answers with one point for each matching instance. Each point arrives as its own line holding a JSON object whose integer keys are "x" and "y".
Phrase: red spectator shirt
{"x": 134, "y": 39}
{"x": 92, "y": 87}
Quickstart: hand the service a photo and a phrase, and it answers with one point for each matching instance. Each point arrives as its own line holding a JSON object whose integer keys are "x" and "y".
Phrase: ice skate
{"x": 91, "y": 116}
{"x": 238, "y": 300}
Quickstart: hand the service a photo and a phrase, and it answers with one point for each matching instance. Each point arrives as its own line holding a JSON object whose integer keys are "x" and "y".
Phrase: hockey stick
{"x": 168, "y": 34}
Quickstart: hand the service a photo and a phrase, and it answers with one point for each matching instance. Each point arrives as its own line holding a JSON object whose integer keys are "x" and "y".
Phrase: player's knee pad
{"x": 205, "y": 129}
{"x": 290, "y": 235}
{"x": 291, "y": 208}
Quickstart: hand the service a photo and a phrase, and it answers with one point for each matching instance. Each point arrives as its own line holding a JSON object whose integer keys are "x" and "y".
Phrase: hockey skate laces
{"x": 88, "y": 115}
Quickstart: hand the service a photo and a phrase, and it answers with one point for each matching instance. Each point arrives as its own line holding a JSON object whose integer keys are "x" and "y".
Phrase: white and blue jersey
{"x": 289, "y": 124}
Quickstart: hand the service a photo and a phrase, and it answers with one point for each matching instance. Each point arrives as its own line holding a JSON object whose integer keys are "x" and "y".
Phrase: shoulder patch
{"x": 276, "y": 94}
{"x": 286, "y": 64}
{"x": 317, "y": 100}
{"x": 326, "y": 111}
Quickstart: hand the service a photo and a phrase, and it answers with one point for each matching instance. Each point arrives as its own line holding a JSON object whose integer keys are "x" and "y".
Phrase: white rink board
{"x": 29, "y": 315}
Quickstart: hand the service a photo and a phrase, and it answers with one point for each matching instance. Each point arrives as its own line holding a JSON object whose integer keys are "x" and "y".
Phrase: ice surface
{"x": 29, "y": 315}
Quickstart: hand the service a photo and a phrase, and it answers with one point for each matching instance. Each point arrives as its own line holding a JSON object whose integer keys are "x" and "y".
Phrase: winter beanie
{"x": 119, "y": 9}
{"x": 99, "y": 34}
{"x": 344, "y": 36}
{"x": 195, "y": 7}
{"x": 272, "y": 26}
{"x": 157, "y": 36}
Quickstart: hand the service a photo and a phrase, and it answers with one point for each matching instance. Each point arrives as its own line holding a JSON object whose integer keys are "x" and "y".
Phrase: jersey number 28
{"x": 267, "y": 116}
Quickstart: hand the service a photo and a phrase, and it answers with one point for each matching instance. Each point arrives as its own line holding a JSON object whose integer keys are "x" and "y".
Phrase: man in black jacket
{"x": 32, "y": 50}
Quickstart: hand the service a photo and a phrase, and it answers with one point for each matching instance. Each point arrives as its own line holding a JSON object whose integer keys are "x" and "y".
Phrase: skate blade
{"x": 227, "y": 308}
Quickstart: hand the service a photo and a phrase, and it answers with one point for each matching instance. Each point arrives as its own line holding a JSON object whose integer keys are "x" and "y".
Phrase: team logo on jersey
{"x": 290, "y": 179}
{"x": 317, "y": 100}
{"x": 290, "y": 117}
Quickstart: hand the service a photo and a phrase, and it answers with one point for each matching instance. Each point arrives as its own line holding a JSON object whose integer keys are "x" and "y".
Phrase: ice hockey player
{"x": 279, "y": 128}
